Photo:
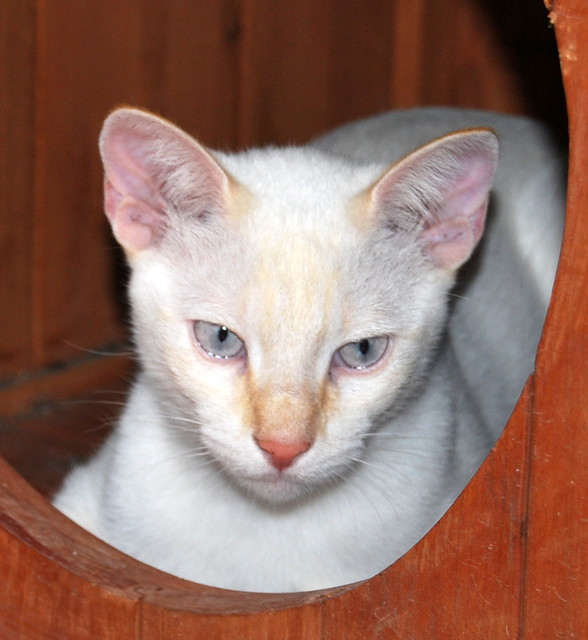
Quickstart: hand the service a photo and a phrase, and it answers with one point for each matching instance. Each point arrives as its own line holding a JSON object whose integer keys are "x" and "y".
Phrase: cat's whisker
{"x": 383, "y": 491}
{"x": 458, "y": 296}
{"x": 392, "y": 471}
{"x": 202, "y": 455}
{"x": 118, "y": 350}
{"x": 92, "y": 402}
{"x": 403, "y": 453}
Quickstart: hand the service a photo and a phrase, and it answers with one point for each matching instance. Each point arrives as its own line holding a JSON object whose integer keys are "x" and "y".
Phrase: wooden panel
{"x": 80, "y": 77}
{"x": 307, "y": 66}
{"x": 495, "y": 54}
{"x": 41, "y": 601}
{"x": 35, "y": 589}
{"x": 44, "y": 443}
{"x": 17, "y": 49}
{"x": 408, "y": 56}
{"x": 301, "y": 623}
{"x": 466, "y": 62}
{"x": 458, "y": 61}
{"x": 557, "y": 573}
{"x": 359, "y": 59}
{"x": 189, "y": 66}
{"x": 283, "y": 71}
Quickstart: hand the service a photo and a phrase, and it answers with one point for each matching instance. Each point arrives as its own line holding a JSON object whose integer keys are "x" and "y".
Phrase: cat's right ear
{"x": 441, "y": 192}
{"x": 152, "y": 171}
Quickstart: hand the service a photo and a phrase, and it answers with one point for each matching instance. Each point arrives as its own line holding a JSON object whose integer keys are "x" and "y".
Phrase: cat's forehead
{"x": 302, "y": 178}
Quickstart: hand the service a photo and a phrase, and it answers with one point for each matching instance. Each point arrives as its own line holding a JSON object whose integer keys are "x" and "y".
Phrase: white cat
{"x": 304, "y": 413}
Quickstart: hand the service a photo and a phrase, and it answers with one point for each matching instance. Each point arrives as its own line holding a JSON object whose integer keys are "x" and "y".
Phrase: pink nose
{"x": 282, "y": 454}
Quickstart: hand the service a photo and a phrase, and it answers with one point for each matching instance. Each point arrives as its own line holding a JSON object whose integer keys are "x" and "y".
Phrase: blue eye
{"x": 364, "y": 353}
{"x": 217, "y": 340}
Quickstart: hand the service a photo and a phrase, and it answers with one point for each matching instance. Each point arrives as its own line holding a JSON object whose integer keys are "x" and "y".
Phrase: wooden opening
{"x": 507, "y": 561}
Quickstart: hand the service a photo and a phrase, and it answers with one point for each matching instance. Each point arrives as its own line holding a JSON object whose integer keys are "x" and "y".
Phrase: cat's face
{"x": 278, "y": 317}
{"x": 286, "y": 325}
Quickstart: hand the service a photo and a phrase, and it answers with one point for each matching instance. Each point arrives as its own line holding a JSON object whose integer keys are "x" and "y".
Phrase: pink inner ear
{"x": 458, "y": 224}
{"x": 137, "y": 226}
{"x": 443, "y": 189}
{"x": 450, "y": 243}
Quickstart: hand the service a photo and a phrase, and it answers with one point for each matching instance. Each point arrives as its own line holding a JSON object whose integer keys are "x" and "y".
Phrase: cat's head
{"x": 284, "y": 301}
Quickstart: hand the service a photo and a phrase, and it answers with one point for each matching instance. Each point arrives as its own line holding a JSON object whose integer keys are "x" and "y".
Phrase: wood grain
{"x": 557, "y": 564}
{"x": 17, "y": 60}
{"x": 284, "y": 57}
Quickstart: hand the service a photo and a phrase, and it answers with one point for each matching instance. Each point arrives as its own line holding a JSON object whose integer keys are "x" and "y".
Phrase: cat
{"x": 319, "y": 375}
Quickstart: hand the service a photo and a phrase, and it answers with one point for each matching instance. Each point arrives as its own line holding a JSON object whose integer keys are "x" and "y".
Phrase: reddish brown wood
{"x": 75, "y": 305}
{"x": 407, "y": 56}
{"x": 557, "y": 567}
{"x": 17, "y": 47}
{"x": 359, "y": 71}
{"x": 187, "y": 66}
{"x": 483, "y": 75}
{"x": 494, "y": 54}
{"x": 72, "y": 380}
{"x": 285, "y": 101}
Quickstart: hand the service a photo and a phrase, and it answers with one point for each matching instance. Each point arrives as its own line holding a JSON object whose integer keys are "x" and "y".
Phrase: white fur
{"x": 181, "y": 483}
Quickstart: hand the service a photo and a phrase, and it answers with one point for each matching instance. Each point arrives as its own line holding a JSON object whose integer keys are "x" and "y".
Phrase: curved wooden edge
{"x": 556, "y": 576}
{"x": 32, "y": 521}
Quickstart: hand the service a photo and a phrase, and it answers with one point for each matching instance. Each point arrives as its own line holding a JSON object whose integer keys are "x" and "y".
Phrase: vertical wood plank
{"x": 496, "y": 55}
{"x": 189, "y": 65}
{"x": 284, "y": 71}
{"x": 359, "y": 59}
{"x": 407, "y": 53}
{"x": 86, "y": 54}
{"x": 557, "y": 570}
{"x": 17, "y": 68}
{"x": 466, "y": 64}
{"x": 307, "y": 66}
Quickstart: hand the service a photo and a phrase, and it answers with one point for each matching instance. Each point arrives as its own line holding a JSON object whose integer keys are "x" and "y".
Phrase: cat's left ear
{"x": 441, "y": 190}
{"x": 153, "y": 170}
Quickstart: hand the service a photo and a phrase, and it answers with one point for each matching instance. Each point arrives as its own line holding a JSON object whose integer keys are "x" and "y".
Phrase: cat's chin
{"x": 277, "y": 489}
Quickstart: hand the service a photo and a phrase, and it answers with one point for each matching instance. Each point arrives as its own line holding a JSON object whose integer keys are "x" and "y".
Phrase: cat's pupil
{"x": 223, "y": 333}
{"x": 364, "y": 346}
